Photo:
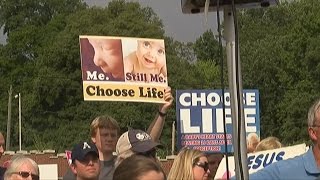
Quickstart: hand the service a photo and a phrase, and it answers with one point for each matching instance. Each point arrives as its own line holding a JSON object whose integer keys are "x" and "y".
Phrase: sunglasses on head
{"x": 26, "y": 174}
{"x": 204, "y": 165}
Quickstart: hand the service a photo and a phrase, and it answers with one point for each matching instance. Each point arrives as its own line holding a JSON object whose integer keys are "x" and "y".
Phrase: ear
{"x": 312, "y": 134}
{"x": 73, "y": 168}
{"x": 93, "y": 139}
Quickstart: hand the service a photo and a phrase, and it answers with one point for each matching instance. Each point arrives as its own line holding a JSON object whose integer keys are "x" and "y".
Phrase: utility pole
{"x": 9, "y": 120}
{"x": 19, "y": 96}
{"x": 19, "y": 121}
{"x": 173, "y": 135}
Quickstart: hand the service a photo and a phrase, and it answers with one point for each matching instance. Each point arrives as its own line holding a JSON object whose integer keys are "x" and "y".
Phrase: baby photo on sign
{"x": 123, "y": 69}
{"x": 101, "y": 59}
{"x": 144, "y": 60}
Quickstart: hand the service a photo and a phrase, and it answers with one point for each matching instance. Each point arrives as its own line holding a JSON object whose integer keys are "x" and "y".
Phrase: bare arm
{"x": 156, "y": 126}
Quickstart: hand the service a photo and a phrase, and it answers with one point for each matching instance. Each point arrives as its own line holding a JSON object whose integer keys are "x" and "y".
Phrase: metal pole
{"x": 19, "y": 121}
{"x": 9, "y": 120}
{"x": 236, "y": 98}
{"x": 173, "y": 138}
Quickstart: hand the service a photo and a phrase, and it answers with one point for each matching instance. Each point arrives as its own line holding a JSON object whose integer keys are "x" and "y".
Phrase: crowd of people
{"x": 136, "y": 155}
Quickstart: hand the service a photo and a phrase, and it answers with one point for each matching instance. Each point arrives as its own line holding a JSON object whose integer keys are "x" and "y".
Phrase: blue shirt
{"x": 300, "y": 167}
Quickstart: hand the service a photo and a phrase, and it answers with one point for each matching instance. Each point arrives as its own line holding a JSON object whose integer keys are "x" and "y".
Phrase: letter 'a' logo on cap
{"x": 86, "y": 145}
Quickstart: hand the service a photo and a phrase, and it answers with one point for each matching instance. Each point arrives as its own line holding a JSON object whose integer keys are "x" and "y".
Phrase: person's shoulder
{"x": 2, "y": 171}
{"x": 132, "y": 57}
{"x": 129, "y": 61}
{"x": 69, "y": 175}
{"x": 280, "y": 169}
{"x": 291, "y": 162}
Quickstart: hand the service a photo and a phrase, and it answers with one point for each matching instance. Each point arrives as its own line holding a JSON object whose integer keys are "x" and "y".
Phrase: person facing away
{"x": 137, "y": 167}
{"x": 189, "y": 164}
{"x": 2, "y": 142}
{"x": 135, "y": 141}
{"x": 214, "y": 160}
{"x": 305, "y": 166}
{"x": 22, "y": 168}
{"x": 85, "y": 161}
{"x": 268, "y": 144}
{"x": 105, "y": 131}
{"x": 148, "y": 59}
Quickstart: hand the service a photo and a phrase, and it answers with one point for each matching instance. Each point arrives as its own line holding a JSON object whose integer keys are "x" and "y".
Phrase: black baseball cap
{"x": 80, "y": 150}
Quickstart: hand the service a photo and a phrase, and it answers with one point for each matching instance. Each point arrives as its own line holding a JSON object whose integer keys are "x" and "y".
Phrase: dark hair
{"x": 135, "y": 166}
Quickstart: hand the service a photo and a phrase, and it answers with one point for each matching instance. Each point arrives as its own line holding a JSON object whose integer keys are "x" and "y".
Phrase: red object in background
{"x": 68, "y": 155}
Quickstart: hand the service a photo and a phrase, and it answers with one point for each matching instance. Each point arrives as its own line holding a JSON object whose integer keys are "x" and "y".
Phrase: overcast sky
{"x": 181, "y": 27}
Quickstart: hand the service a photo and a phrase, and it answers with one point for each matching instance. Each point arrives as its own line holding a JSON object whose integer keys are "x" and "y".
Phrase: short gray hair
{"x": 17, "y": 162}
{"x": 313, "y": 112}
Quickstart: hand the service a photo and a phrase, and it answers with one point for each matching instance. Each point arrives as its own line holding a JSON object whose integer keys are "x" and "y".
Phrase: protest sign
{"x": 123, "y": 69}
{"x": 200, "y": 118}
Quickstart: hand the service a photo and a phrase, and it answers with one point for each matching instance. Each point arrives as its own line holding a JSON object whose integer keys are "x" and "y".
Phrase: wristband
{"x": 162, "y": 114}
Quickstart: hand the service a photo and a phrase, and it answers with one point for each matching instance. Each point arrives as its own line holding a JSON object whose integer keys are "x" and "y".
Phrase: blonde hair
{"x": 103, "y": 122}
{"x": 252, "y": 141}
{"x": 183, "y": 164}
{"x": 268, "y": 144}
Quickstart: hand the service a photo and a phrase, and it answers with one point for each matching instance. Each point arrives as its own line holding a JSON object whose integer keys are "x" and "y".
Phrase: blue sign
{"x": 200, "y": 118}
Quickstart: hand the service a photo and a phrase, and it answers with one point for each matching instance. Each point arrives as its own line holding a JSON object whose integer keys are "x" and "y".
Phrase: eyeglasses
{"x": 204, "y": 165}
{"x": 151, "y": 153}
{"x": 26, "y": 174}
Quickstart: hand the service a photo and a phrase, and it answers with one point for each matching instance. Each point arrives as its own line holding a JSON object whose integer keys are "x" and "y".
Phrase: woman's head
{"x": 22, "y": 168}
{"x": 139, "y": 167}
{"x": 268, "y": 144}
{"x": 190, "y": 164}
{"x": 252, "y": 142}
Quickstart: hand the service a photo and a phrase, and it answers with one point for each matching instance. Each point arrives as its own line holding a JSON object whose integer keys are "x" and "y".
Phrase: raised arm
{"x": 156, "y": 126}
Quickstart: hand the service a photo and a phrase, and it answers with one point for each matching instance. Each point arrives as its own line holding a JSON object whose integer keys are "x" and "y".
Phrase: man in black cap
{"x": 135, "y": 141}
{"x": 85, "y": 161}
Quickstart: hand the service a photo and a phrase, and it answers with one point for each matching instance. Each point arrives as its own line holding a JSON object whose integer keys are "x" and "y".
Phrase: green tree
{"x": 50, "y": 74}
{"x": 206, "y": 47}
{"x": 281, "y": 60}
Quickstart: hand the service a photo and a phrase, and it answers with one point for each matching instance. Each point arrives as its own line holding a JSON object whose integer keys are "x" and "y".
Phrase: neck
{"x": 316, "y": 153}
{"x": 80, "y": 178}
{"x": 107, "y": 156}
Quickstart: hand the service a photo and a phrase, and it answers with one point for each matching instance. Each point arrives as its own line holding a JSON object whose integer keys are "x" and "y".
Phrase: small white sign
{"x": 48, "y": 171}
